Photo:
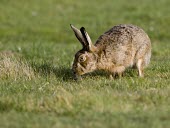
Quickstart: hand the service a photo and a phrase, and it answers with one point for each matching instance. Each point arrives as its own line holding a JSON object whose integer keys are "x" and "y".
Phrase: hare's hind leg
{"x": 143, "y": 57}
{"x": 139, "y": 66}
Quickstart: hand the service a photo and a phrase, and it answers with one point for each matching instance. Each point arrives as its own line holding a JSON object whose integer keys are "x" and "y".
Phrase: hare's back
{"x": 121, "y": 43}
{"x": 121, "y": 34}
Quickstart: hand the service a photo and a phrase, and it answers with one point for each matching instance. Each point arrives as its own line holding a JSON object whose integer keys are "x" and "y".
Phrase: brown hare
{"x": 119, "y": 48}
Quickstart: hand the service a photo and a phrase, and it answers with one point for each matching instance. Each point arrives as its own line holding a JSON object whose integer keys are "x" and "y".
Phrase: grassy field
{"x": 37, "y": 47}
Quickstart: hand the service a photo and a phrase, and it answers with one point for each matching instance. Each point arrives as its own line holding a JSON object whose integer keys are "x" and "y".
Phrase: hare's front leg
{"x": 117, "y": 71}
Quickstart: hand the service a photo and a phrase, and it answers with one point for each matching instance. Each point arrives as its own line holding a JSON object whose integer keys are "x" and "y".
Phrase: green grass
{"x": 37, "y": 47}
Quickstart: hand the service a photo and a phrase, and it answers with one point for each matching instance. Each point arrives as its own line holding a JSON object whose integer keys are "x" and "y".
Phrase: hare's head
{"x": 85, "y": 59}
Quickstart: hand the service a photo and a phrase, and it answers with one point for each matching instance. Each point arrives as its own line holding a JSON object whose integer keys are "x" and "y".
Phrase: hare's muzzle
{"x": 76, "y": 76}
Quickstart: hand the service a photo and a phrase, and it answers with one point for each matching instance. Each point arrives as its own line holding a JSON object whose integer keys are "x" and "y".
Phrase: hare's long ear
{"x": 88, "y": 43}
{"x": 79, "y": 35}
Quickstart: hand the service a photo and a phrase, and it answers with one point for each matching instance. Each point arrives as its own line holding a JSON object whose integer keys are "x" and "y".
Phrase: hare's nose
{"x": 76, "y": 76}
{"x": 74, "y": 72}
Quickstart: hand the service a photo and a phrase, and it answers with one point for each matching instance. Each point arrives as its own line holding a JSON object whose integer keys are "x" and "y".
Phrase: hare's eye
{"x": 82, "y": 58}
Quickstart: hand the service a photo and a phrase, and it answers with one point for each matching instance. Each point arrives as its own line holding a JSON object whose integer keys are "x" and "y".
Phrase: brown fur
{"x": 120, "y": 47}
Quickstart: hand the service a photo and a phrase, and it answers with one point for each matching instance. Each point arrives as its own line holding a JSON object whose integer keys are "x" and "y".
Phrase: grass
{"x": 37, "y": 47}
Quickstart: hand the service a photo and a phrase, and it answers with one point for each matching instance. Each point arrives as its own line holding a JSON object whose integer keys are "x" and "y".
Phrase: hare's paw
{"x": 117, "y": 72}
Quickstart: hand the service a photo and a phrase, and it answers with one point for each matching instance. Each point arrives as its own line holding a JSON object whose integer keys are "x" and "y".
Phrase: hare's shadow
{"x": 47, "y": 70}
{"x": 62, "y": 72}
{"x": 65, "y": 73}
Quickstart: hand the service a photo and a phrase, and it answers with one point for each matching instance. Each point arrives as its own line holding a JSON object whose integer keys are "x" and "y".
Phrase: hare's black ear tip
{"x": 82, "y": 29}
